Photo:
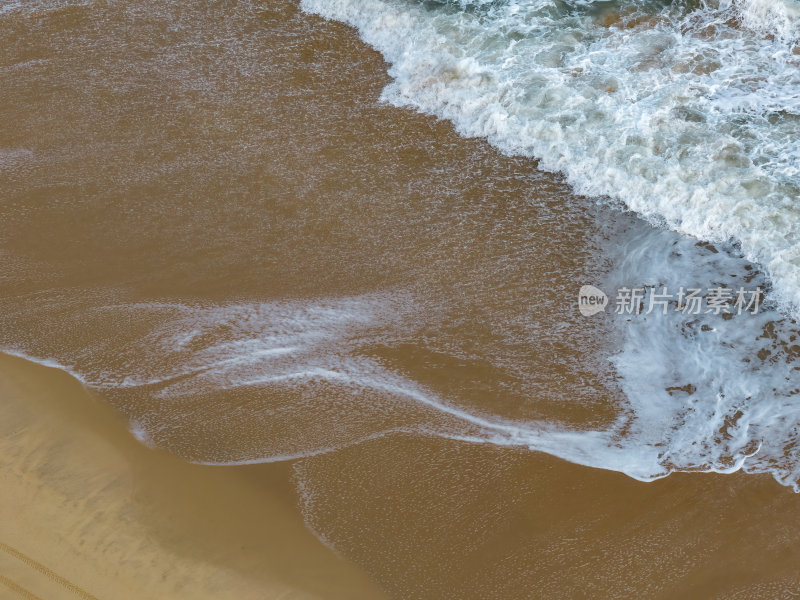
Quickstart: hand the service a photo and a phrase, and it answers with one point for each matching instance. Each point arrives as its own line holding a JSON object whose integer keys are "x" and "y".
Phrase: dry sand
{"x": 88, "y": 512}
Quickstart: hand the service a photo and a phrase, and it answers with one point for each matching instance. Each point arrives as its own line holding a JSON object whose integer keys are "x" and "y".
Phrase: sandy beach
{"x": 318, "y": 344}
{"x": 89, "y": 512}
{"x": 92, "y": 513}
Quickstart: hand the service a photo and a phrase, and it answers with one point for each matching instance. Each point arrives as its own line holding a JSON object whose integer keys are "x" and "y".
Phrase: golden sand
{"x": 88, "y": 512}
{"x": 235, "y": 153}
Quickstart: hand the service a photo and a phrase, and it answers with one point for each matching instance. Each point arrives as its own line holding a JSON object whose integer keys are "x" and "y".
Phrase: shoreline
{"x": 239, "y": 177}
{"x": 100, "y": 515}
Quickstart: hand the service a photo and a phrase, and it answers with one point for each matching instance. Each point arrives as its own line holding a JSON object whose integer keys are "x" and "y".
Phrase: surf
{"x": 686, "y": 112}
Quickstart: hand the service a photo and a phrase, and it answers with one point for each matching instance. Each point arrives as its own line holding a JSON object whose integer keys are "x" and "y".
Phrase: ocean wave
{"x": 687, "y": 112}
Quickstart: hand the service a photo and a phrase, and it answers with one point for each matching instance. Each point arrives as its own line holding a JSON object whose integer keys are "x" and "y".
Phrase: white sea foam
{"x": 779, "y": 18}
{"x": 10, "y": 159}
{"x": 46, "y": 362}
{"x": 702, "y": 392}
{"x": 36, "y": 6}
{"x": 689, "y": 114}
{"x": 9, "y": 5}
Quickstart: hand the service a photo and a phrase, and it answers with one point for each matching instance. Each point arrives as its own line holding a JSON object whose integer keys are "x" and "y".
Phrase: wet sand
{"x": 88, "y": 512}
{"x": 520, "y": 525}
{"x": 190, "y": 158}
{"x": 91, "y": 513}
